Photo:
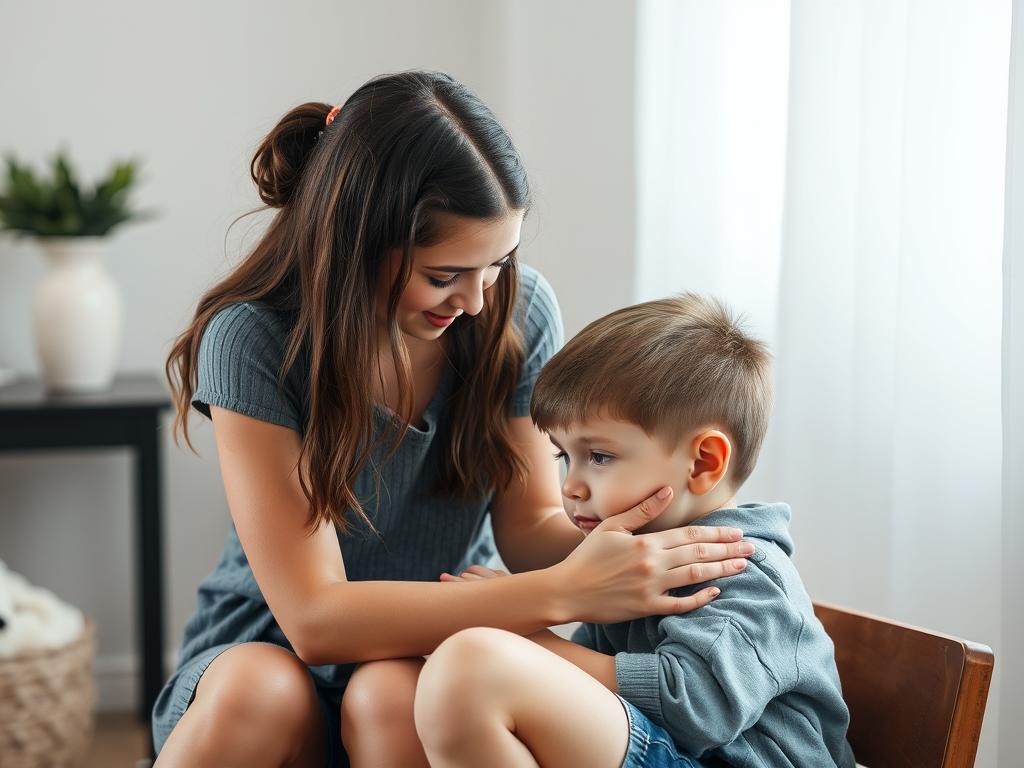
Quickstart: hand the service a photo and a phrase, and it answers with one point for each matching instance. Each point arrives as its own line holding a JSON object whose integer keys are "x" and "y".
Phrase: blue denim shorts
{"x": 650, "y": 746}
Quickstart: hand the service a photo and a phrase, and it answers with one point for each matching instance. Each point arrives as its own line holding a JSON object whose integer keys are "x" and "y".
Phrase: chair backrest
{"x": 916, "y": 697}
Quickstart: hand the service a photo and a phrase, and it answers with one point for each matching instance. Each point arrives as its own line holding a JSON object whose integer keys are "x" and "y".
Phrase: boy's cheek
{"x": 622, "y": 493}
{"x": 613, "y": 504}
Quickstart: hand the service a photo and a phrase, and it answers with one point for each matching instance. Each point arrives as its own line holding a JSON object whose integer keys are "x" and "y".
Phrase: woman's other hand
{"x": 474, "y": 573}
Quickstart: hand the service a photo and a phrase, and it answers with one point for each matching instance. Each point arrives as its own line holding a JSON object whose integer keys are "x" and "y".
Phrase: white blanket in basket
{"x": 32, "y": 617}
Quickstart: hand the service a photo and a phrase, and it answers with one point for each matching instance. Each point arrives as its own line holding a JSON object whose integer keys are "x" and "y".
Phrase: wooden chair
{"x": 916, "y": 698}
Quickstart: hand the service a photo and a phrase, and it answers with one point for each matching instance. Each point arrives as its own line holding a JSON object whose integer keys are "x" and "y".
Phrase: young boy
{"x": 669, "y": 392}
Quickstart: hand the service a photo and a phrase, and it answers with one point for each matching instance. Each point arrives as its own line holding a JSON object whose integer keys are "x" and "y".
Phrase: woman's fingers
{"x": 695, "y": 563}
{"x": 474, "y": 573}
{"x": 666, "y": 604}
{"x": 694, "y": 534}
{"x": 706, "y": 553}
{"x": 640, "y": 515}
{"x": 697, "y": 573}
{"x": 484, "y": 571}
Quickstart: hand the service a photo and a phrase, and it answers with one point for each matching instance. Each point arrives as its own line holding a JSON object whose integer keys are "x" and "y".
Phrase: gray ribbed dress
{"x": 240, "y": 354}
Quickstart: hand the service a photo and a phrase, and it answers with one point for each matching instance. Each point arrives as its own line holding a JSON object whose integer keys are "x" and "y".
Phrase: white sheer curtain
{"x": 710, "y": 149}
{"x": 872, "y": 264}
{"x": 1011, "y": 704}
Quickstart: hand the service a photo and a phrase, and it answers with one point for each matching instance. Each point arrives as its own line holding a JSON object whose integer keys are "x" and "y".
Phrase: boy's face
{"x": 613, "y": 465}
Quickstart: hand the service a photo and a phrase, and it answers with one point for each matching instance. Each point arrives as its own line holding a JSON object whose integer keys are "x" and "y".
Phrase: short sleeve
{"x": 540, "y": 322}
{"x": 240, "y": 357}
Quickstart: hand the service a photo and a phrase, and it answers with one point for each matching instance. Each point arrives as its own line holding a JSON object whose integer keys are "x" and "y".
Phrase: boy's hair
{"x": 668, "y": 366}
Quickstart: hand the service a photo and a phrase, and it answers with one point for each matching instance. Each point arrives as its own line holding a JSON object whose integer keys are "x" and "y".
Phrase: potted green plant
{"x": 77, "y": 311}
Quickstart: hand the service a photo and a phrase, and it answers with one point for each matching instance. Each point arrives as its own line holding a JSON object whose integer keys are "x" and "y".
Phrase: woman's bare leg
{"x": 490, "y": 697}
{"x": 254, "y": 706}
{"x": 377, "y": 725}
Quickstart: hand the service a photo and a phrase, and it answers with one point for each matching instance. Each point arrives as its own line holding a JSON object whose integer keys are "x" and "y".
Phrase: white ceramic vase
{"x": 77, "y": 316}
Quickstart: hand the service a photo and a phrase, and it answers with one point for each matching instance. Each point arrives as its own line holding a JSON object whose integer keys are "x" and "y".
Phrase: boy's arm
{"x": 706, "y": 681}
{"x": 598, "y": 665}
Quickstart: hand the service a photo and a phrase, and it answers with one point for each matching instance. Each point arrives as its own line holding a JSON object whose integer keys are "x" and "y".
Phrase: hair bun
{"x": 277, "y": 164}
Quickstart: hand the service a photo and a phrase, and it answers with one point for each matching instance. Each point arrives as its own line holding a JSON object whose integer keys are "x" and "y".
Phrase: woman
{"x": 368, "y": 371}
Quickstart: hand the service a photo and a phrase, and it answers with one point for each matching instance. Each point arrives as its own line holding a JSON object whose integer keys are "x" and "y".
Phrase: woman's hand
{"x": 616, "y": 576}
{"x": 474, "y": 573}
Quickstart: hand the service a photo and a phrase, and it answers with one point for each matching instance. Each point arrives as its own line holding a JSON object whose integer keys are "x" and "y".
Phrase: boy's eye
{"x": 562, "y": 455}
{"x": 600, "y": 459}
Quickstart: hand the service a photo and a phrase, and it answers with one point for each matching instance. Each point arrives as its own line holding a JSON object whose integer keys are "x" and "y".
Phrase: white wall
{"x": 191, "y": 88}
{"x": 565, "y": 89}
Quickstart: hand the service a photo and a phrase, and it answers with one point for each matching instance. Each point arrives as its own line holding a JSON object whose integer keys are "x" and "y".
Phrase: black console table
{"x": 127, "y": 415}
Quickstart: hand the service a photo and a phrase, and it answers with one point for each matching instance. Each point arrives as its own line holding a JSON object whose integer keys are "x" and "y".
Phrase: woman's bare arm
{"x": 327, "y": 618}
{"x": 531, "y": 528}
{"x": 610, "y": 577}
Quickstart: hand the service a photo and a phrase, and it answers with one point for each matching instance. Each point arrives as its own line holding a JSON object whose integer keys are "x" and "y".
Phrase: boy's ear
{"x": 711, "y": 451}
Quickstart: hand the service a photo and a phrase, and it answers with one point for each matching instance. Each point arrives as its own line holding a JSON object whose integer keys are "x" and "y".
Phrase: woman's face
{"x": 449, "y": 278}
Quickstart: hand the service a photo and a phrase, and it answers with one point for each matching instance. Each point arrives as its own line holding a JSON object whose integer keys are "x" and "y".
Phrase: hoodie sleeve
{"x": 712, "y": 672}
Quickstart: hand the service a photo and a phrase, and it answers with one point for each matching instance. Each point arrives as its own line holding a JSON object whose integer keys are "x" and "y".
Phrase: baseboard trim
{"x": 117, "y": 679}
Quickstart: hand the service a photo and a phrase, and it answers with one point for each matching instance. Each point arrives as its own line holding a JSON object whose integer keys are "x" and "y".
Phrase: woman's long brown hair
{"x": 403, "y": 148}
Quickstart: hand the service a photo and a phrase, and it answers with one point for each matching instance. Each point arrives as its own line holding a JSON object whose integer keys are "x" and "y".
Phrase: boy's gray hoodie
{"x": 749, "y": 678}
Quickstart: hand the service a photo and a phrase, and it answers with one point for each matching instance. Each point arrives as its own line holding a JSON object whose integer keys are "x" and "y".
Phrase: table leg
{"x": 150, "y": 565}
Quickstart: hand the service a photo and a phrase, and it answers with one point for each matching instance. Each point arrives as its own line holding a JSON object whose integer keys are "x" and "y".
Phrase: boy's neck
{"x": 706, "y": 509}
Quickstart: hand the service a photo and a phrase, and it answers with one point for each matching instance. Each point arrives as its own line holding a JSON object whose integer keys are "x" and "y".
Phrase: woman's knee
{"x": 258, "y": 683}
{"x": 377, "y": 714}
{"x": 254, "y": 705}
{"x": 381, "y": 691}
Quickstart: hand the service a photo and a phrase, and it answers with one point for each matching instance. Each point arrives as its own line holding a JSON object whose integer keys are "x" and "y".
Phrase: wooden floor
{"x": 120, "y": 740}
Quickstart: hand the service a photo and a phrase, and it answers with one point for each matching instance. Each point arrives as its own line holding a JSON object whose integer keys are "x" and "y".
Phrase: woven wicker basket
{"x": 47, "y": 704}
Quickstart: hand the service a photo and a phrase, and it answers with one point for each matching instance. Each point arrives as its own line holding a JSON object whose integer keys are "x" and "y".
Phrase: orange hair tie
{"x": 333, "y": 114}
